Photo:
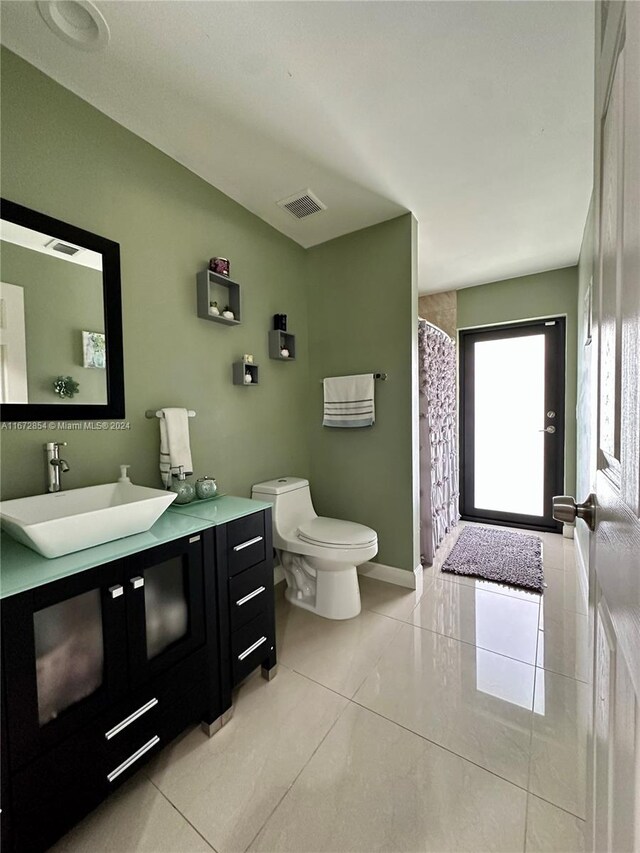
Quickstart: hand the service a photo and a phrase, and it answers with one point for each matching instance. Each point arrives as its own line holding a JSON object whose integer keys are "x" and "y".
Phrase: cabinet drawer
{"x": 249, "y": 593}
{"x": 246, "y": 546}
{"x": 152, "y": 736}
{"x": 57, "y": 790}
{"x": 250, "y": 645}
{"x": 136, "y": 720}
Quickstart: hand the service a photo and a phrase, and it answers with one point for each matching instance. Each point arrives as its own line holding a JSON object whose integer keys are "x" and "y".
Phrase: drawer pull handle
{"x": 136, "y": 582}
{"x": 251, "y": 595}
{"x": 131, "y": 718}
{"x": 252, "y": 648}
{"x": 116, "y": 591}
{"x": 246, "y": 544}
{"x": 133, "y": 758}
{"x": 194, "y": 539}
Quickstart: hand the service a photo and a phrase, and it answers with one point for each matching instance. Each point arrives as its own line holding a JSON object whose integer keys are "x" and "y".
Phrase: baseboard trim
{"x": 391, "y": 574}
{"x": 377, "y": 571}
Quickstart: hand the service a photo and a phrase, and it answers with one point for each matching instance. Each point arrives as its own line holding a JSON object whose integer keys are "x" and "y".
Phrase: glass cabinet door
{"x": 69, "y": 646}
{"x": 64, "y": 657}
{"x": 166, "y": 605}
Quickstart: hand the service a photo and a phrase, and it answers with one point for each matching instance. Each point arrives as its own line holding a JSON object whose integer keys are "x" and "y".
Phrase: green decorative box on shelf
{"x": 280, "y": 342}
{"x": 221, "y": 291}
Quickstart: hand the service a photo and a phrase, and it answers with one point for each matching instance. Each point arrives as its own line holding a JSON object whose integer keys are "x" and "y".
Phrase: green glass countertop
{"x": 22, "y": 569}
{"x": 219, "y": 510}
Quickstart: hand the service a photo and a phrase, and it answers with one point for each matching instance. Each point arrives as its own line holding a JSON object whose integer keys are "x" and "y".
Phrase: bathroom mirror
{"x": 60, "y": 320}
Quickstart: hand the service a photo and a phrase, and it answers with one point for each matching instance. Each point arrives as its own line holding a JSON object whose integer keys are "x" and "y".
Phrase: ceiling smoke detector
{"x": 302, "y": 204}
{"x": 78, "y": 22}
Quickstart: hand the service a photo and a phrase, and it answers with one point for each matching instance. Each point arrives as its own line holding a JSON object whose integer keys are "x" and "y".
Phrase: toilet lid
{"x": 332, "y": 531}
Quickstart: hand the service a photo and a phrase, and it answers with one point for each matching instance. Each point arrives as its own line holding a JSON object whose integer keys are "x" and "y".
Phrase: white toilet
{"x": 319, "y": 555}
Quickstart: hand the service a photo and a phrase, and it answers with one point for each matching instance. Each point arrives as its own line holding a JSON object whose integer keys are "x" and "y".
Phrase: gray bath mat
{"x": 498, "y": 555}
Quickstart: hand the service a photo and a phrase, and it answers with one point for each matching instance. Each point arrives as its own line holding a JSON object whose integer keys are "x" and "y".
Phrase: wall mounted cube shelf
{"x": 239, "y": 370}
{"x": 282, "y": 340}
{"x": 213, "y": 287}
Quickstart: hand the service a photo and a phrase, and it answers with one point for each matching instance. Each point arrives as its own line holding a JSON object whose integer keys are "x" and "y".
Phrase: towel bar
{"x": 151, "y": 413}
{"x": 381, "y": 376}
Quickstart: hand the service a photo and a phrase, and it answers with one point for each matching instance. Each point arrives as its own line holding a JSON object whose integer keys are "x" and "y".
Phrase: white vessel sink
{"x": 60, "y": 523}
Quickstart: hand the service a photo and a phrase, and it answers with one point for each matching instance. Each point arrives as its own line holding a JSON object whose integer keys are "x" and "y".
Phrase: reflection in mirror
{"x": 60, "y": 320}
{"x": 52, "y": 318}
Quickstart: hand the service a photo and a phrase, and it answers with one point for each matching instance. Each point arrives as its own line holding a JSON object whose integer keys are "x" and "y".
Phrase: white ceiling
{"x": 476, "y": 116}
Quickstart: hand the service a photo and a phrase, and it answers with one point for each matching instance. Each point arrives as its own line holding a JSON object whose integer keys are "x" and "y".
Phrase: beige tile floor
{"x": 451, "y": 721}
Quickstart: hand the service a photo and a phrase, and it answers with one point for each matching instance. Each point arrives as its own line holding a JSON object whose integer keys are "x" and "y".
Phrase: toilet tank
{"x": 291, "y": 499}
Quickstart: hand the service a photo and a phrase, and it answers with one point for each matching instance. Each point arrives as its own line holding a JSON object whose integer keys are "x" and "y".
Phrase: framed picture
{"x": 587, "y": 313}
{"x": 94, "y": 350}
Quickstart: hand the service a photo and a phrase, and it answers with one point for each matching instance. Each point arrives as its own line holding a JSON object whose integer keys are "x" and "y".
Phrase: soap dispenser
{"x": 124, "y": 474}
{"x": 184, "y": 490}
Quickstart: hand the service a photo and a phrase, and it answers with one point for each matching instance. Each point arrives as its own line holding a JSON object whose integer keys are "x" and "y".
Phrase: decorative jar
{"x": 206, "y": 487}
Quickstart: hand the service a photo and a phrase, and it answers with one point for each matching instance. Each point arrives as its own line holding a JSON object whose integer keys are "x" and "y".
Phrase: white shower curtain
{"x": 438, "y": 438}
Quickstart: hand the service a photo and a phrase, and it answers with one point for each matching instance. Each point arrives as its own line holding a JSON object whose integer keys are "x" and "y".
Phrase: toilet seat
{"x": 335, "y": 533}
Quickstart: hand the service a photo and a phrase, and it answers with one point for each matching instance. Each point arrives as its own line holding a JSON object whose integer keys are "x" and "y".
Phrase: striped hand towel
{"x": 349, "y": 401}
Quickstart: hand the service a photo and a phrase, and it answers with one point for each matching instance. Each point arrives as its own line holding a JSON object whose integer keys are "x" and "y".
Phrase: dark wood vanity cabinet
{"x": 244, "y": 550}
{"x": 103, "y": 668}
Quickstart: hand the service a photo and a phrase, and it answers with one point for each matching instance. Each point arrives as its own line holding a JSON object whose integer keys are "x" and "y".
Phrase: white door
{"x": 13, "y": 348}
{"x": 613, "y": 806}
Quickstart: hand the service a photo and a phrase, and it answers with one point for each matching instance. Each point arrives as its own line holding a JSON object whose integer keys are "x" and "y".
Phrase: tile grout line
{"x": 475, "y": 646}
{"x": 378, "y": 659}
{"x": 319, "y": 683}
{"x": 183, "y": 816}
{"x": 440, "y": 746}
{"x": 435, "y": 743}
{"x": 556, "y": 806}
{"x": 289, "y": 787}
{"x": 533, "y": 705}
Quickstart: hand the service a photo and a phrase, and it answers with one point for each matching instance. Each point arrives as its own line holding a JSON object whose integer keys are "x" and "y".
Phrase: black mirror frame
{"x": 112, "y": 304}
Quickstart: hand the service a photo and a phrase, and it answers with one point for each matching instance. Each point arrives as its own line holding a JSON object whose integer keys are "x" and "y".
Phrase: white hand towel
{"x": 349, "y": 401}
{"x": 174, "y": 444}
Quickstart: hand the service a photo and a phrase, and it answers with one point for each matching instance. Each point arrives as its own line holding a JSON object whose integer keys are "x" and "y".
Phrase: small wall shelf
{"x": 282, "y": 340}
{"x": 239, "y": 370}
{"x": 213, "y": 287}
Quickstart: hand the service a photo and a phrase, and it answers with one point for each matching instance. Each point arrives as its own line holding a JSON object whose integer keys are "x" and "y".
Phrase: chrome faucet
{"x": 55, "y": 465}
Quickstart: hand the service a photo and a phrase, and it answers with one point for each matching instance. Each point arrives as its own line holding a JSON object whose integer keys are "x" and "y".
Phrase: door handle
{"x": 566, "y": 509}
{"x": 136, "y": 582}
{"x": 550, "y": 429}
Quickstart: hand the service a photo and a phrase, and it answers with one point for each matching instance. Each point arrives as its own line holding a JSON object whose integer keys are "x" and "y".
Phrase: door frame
{"x": 555, "y": 387}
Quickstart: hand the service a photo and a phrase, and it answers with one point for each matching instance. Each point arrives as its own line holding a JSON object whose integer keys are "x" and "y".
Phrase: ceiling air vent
{"x": 302, "y": 204}
{"x": 63, "y": 248}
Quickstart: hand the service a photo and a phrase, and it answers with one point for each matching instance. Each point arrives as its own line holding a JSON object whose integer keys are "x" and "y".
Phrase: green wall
{"x": 547, "y": 294}
{"x": 64, "y": 158}
{"x": 363, "y": 308}
{"x": 61, "y": 300}
{"x": 352, "y": 304}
